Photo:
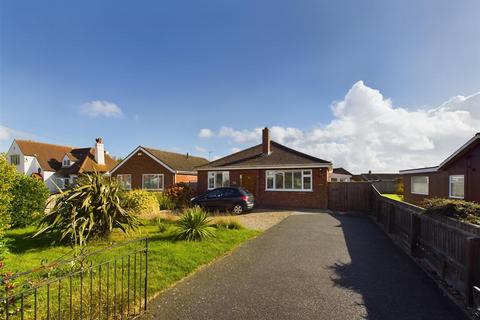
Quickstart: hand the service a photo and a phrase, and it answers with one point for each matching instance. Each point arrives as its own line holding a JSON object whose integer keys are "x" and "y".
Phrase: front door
{"x": 249, "y": 183}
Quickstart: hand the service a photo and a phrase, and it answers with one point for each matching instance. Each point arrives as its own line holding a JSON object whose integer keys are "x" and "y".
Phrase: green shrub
{"x": 142, "y": 201}
{"x": 194, "y": 225}
{"x": 180, "y": 194}
{"x": 30, "y": 196}
{"x": 164, "y": 202}
{"x": 459, "y": 209}
{"x": 224, "y": 223}
{"x": 91, "y": 209}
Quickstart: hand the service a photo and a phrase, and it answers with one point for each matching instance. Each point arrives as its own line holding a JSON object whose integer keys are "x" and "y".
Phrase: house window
{"x": 289, "y": 180}
{"x": 419, "y": 185}
{"x": 15, "y": 159}
{"x": 125, "y": 181}
{"x": 66, "y": 162}
{"x": 152, "y": 181}
{"x": 457, "y": 186}
{"x": 217, "y": 179}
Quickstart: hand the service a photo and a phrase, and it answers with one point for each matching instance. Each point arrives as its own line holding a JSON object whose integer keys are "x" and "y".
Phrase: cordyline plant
{"x": 194, "y": 225}
{"x": 92, "y": 208}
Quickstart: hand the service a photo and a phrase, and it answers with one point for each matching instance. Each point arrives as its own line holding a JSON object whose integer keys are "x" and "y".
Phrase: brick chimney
{"x": 266, "y": 141}
{"x": 99, "y": 151}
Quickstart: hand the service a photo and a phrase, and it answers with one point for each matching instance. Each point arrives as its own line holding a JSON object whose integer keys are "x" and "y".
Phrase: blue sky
{"x": 172, "y": 68}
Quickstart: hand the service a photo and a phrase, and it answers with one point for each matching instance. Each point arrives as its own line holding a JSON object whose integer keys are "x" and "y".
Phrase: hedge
{"x": 462, "y": 210}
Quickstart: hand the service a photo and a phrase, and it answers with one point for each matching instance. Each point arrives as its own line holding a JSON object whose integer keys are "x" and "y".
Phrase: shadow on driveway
{"x": 392, "y": 286}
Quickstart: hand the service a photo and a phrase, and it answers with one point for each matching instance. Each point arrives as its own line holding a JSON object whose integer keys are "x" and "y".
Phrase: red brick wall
{"x": 140, "y": 164}
{"x": 318, "y": 198}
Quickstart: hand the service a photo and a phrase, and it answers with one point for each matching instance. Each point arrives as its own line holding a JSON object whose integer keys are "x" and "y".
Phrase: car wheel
{"x": 237, "y": 208}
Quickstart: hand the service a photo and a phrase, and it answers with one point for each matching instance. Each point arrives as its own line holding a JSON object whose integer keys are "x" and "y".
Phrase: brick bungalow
{"x": 458, "y": 177}
{"x": 155, "y": 170}
{"x": 277, "y": 175}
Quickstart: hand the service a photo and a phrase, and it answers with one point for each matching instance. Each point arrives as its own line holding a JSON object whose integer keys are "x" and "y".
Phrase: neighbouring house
{"x": 277, "y": 175}
{"x": 155, "y": 170}
{"x": 341, "y": 175}
{"x": 379, "y": 177}
{"x": 457, "y": 177}
{"x": 58, "y": 166}
{"x": 384, "y": 182}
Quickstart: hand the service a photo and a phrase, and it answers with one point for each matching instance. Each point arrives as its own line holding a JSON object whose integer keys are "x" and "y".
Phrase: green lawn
{"x": 168, "y": 260}
{"x": 393, "y": 196}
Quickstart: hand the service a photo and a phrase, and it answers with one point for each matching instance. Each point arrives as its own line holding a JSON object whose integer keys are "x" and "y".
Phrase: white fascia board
{"x": 420, "y": 170}
{"x": 139, "y": 148}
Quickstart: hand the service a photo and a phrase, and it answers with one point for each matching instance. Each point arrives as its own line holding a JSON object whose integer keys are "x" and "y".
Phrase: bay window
{"x": 152, "y": 182}
{"x": 419, "y": 185}
{"x": 289, "y": 180}
{"x": 457, "y": 186}
{"x": 217, "y": 179}
{"x": 125, "y": 181}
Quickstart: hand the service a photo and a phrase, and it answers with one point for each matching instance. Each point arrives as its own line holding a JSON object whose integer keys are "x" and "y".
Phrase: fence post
{"x": 414, "y": 233}
{"x": 472, "y": 267}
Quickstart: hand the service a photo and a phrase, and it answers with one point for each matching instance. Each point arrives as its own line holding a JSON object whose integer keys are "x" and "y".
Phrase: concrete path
{"x": 310, "y": 266}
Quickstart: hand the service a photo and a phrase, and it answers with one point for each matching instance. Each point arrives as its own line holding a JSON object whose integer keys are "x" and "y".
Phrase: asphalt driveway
{"x": 309, "y": 266}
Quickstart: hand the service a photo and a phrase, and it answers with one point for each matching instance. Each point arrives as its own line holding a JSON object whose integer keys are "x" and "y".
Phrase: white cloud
{"x": 205, "y": 133}
{"x": 100, "y": 108}
{"x": 201, "y": 149}
{"x": 369, "y": 133}
{"x": 234, "y": 150}
{"x": 8, "y": 134}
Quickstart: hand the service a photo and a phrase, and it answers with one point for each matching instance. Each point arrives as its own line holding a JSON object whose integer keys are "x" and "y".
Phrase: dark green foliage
{"x": 29, "y": 199}
{"x": 194, "y": 225}
{"x": 180, "y": 194}
{"x": 93, "y": 208}
{"x": 8, "y": 175}
{"x": 459, "y": 209}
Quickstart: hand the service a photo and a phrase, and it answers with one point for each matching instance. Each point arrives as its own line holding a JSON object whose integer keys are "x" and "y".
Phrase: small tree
{"x": 8, "y": 174}
{"x": 29, "y": 199}
{"x": 399, "y": 187}
{"x": 93, "y": 208}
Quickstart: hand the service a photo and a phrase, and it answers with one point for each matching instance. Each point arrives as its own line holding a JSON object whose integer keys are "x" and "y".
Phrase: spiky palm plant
{"x": 93, "y": 208}
{"x": 194, "y": 225}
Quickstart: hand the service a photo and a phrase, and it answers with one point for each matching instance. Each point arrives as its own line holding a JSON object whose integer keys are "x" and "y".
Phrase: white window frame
{"x": 160, "y": 187}
{"x": 428, "y": 185}
{"x": 225, "y": 178}
{"x": 15, "y": 156}
{"x": 125, "y": 175}
{"x": 302, "y": 171}
{"x": 450, "y": 186}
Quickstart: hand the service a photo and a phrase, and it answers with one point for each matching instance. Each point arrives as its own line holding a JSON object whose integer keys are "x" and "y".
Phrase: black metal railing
{"x": 110, "y": 283}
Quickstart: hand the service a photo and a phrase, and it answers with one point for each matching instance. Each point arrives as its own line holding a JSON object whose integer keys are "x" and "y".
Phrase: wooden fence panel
{"x": 349, "y": 196}
{"x": 449, "y": 247}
